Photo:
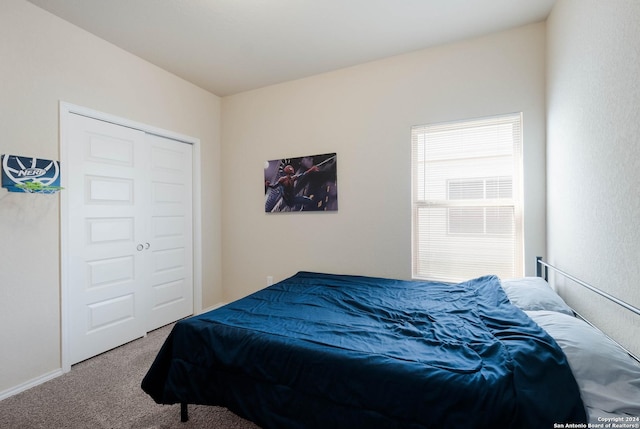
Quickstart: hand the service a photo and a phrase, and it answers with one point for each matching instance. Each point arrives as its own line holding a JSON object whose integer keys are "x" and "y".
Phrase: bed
{"x": 335, "y": 351}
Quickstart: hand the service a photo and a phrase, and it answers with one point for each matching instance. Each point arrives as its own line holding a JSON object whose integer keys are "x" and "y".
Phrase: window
{"x": 479, "y": 220}
{"x": 467, "y": 199}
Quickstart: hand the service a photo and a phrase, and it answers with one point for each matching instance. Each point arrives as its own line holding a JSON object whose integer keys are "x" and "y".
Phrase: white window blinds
{"x": 467, "y": 199}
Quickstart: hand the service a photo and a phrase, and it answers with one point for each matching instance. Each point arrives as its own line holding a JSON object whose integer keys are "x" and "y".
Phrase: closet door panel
{"x": 106, "y": 184}
{"x": 171, "y": 236}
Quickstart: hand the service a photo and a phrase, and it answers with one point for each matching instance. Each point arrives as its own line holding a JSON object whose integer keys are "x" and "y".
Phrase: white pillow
{"x": 534, "y": 293}
{"x": 609, "y": 379}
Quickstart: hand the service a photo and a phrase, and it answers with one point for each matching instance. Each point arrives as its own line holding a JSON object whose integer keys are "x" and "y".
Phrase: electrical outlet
{"x": 269, "y": 280}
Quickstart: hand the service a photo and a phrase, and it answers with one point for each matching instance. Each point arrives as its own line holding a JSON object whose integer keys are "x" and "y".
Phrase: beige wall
{"x": 44, "y": 60}
{"x": 593, "y": 156}
{"x": 364, "y": 113}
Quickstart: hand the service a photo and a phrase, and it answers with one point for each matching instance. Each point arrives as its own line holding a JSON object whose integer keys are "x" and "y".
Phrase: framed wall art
{"x": 304, "y": 184}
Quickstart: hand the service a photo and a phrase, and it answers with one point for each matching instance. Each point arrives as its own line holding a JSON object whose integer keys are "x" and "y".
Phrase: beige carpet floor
{"x": 104, "y": 392}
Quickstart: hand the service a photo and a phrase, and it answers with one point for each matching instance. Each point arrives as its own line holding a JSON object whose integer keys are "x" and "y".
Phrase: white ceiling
{"x": 230, "y": 46}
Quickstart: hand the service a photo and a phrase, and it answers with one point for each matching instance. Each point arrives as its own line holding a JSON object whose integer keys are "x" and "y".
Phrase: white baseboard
{"x": 31, "y": 383}
{"x": 213, "y": 307}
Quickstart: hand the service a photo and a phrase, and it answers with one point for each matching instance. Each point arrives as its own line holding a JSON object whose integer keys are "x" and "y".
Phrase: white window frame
{"x": 465, "y": 151}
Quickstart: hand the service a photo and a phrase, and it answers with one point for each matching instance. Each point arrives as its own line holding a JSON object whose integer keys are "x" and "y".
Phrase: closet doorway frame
{"x": 67, "y": 109}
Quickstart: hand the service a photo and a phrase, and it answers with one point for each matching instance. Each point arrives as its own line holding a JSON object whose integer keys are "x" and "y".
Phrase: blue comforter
{"x": 333, "y": 351}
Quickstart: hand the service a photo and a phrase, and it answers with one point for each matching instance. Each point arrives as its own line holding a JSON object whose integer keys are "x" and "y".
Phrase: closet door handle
{"x": 146, "y": 246}
{"x": 139, "y": 247}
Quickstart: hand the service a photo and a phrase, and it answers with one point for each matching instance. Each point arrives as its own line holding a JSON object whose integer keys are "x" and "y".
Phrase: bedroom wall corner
{"x": 593, "y": 112}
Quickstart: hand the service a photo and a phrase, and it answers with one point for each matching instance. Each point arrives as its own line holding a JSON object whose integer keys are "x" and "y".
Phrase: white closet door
{"x": 170, "y": 235}
{"x": 107, "y": 262}
{"x": 130, "y": 234}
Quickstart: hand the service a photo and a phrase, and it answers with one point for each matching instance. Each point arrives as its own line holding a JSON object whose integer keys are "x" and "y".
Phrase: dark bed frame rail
{"x": 540, "y": 264}
{"x": 542, "y": 270}
{"x": 184, "y": 412}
